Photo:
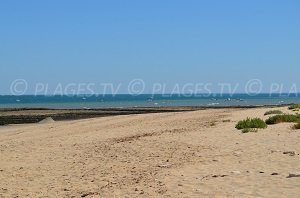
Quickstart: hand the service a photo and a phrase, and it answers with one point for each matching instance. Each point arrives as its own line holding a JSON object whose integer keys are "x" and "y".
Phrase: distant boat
{"x": 238, "y": 99}
{"x": 213, "y": 104}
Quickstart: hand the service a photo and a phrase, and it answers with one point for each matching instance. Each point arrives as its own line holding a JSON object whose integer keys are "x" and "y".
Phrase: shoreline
{"x": 35, "y": 115}
{"x": 151, "y": 107}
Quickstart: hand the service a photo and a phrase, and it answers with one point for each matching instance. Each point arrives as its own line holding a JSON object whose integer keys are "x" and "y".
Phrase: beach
{"x": 171, "y": 154}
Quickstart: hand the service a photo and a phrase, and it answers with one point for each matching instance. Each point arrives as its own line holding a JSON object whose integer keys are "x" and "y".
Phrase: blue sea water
{"x": 123, "y": 100}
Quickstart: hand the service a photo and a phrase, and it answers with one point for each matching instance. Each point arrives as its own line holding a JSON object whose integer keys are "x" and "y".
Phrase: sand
{"x": 182, "y": 154}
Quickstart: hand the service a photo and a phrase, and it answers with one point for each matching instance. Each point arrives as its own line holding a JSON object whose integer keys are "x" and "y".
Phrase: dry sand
{"x": 187, "y": 154}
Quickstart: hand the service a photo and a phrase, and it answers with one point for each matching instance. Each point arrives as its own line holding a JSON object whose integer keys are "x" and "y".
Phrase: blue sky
{"x": 166, "y": 41}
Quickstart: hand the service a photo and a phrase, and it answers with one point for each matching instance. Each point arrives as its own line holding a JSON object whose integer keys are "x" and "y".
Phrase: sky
{"x": 168, "y": 41}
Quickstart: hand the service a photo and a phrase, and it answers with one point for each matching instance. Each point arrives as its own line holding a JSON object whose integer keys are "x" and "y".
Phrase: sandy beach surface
{"x": 177, "y": 154}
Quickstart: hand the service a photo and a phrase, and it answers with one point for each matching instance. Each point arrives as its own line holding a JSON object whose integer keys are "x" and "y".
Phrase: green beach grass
{"x": 251, "y": 123}
{"x": 273, "y": 112}
{"x": 297, "y": 126}
{"x": 294, "y": 106}
{"x": 283, "y": 118}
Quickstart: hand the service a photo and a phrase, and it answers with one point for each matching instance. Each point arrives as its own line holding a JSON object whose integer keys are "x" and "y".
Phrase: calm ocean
{"x": 123, "y": 100}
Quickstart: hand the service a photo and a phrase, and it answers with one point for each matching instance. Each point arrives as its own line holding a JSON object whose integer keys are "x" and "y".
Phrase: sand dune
{"x": 187, "y": 154}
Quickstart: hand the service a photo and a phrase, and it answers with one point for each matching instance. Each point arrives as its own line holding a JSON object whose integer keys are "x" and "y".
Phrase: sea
{"x": 145, "y": 100}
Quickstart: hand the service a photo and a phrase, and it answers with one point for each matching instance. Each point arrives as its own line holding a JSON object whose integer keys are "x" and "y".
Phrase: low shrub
{"x": 294, "y": 106}
{"x": 283, "y": 118}
{"x": 251, "y": 123}
{"x": 273, "y": 112}
{"x": 297, "y": 126}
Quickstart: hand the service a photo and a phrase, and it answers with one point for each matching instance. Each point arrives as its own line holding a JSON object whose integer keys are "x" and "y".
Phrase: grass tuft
{"x": 294, "y": 106}
{"x": 226, "y": 120}
{"x": 213, "y": 124}
{"x": 283, "y": 118}
{"x": 297, "y": 126}
{"x": 273, "y": 112}
{"x": 251, "y": 123}
{"x": 247, "y": 130}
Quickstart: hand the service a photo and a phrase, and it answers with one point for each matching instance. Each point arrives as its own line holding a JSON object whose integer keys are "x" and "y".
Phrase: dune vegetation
{"x": 251, "y": 123}
{"x": 283, "y": 118}
{"x": 273, "y": 112}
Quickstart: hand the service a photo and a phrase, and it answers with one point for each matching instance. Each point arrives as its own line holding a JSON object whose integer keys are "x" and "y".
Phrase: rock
{"x": 275, "y": 174}
{"x": 86, "y": 194}
{"x": 47, "y": 120}
{"x": 275, "y": 151}
{"x": 236, "y": 172}
{"x": 294, "y": 174}
{"x": 215, "y": 176}
{"x": 167, "y": 165}
{"x": 237, "y": 153}
{"x": 291, "y": 153}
